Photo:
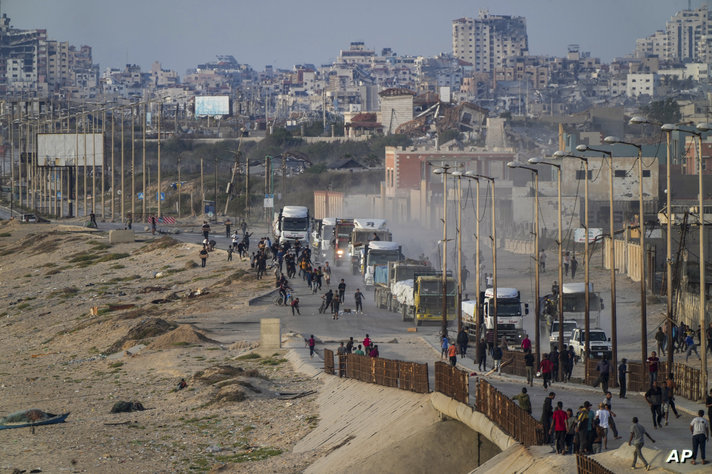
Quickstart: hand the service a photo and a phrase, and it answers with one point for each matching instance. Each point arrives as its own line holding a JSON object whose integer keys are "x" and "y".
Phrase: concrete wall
{"x": 121, "y": 236}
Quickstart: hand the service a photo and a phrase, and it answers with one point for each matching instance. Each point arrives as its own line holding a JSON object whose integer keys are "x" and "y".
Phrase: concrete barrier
{"x": 474, "y": 419}
{"x": 270, "y": 333}
{"x": 121, "y": 236}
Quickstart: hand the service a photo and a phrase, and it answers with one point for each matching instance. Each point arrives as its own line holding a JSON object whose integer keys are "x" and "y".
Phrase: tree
{"x": 663, "y": 111}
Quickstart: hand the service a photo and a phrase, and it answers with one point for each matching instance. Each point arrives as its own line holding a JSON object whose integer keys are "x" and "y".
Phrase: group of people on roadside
{"x": 367, "y": 347}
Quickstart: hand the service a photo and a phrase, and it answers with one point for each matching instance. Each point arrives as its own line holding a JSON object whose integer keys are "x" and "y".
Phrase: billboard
{"x": 594, "y": 235}
{"x": 212, "y": 105}
{"x": 62, "y": 149}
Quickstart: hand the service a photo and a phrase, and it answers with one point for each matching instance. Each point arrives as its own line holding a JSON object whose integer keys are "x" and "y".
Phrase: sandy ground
{"x": 58, "y": 357}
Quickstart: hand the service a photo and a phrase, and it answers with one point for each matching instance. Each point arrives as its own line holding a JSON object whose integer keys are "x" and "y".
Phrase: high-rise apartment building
{"x": 486, "y": 41}
{"x": 687, "y": 38}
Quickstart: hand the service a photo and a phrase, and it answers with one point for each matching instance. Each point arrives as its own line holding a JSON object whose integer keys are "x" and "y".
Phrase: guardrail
{"x": 504, "y": 412}
{"x": 586, "y": 465}
{"x": 452, "y": 382}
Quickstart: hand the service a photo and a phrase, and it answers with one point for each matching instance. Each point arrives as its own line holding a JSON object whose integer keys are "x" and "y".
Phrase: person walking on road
{"x": 358, "y": 296}
{"x": 482, "y": 356}
{"x": 653, "y": 363}
{"x": 604, "y": 369}
{"x": 526, "y": 343}
{"x": 559, "y": 418}
{"x": 524, "y": 401}
{"x": 574, "y": 266}
{"x": 295, "y": 306}
{"x": 153, "y": 225}
{"x": 335, "y": 303}
{"x": 547, "y": 413}
{"x": 444, "y": 344}
{"x": 567, "y": 262}
{"x": 611, "y": 419}
{"x": 622, "y": 371}
{"x": 312, "y": 345}
{"x": 342, "y": 289}
{"x": 708, "y": 404}
{"x": 129, "y": 220}
{"x": 660, "y": 338}
{"x": 691, "y": 347}
{"x": 542, "y": 260}
{"x": 452, "y": 354}
{"x": 545, "y": 367}
{"x": 529, "y": 364}
{"x": 206, "y": 229}
{"x": 462, "y": 340}
{"x": 700, "y": 430}
{"x": 228, "y": 224}
{"x": 654, "y": 397}
{"x": 497, "y": 358}
{"x": 669, "y": 398}
{"x": 637, "y": 440}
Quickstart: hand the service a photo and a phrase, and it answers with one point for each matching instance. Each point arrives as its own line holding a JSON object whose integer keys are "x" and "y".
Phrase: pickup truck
{"x": 600, "y": 343}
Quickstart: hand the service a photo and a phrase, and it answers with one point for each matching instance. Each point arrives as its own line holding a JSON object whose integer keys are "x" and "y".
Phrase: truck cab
{"x": 325, "y": 233}
{"x": 365, "y": 231}
{"x": 510, "y": 316}
{"x": 340, "y": 239}
{"x": 569, "y": 326}
{"x": 377, "y": 254}
{"x": 428, "y": 298}
{"x": 600, "y": 343}
{"x": 293, "y": 223}
{"x": 575, "y": 303}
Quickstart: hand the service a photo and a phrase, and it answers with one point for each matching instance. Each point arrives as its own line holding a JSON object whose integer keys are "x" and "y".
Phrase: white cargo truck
{"x": 291, "y": 224}
{"x": 510, "y": 314}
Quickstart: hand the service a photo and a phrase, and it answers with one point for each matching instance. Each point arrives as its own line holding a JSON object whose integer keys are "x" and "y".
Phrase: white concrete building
{"x": 640, "y": 84}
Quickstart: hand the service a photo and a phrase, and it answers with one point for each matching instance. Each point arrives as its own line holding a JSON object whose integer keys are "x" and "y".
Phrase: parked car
{"x": 28, "y": 218}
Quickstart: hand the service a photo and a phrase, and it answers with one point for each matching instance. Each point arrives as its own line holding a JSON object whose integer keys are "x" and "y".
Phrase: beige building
{"x": 396, "y": 108}
{"x": 486, "y": 41}
{"x": 686, "y": 38}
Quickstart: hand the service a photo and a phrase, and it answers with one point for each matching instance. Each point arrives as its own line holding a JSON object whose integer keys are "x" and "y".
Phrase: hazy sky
{"x": 184, "y": 33}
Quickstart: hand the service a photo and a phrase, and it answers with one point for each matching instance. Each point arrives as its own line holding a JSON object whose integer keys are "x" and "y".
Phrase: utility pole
{"x": 215, "y": 212}
{"x": 103, "y": 165}
{"x": 179, "y": 181}
{"x": 247, "y": 188}
{"x": 84, "y": 129}
{"x": 123, "y": 189}
{"x": 113, "y": 188}
{"x": 93, "y": 162}
{"x": 133, "y": 164}
{"x": 143, "y": 159}
{"x": 158, "y": 187}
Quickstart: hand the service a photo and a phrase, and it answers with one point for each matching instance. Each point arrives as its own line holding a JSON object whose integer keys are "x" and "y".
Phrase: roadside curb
{"x": 253, "y": 300}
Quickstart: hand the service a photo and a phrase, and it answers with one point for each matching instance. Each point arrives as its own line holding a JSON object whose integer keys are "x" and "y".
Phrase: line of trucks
{"x": 414, "y": 288}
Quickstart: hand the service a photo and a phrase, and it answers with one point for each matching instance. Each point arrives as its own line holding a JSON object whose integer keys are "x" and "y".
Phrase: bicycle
{"x": 279, "y": 301}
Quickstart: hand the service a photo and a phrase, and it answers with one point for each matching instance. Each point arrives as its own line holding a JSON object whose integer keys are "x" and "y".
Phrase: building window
{"x": 620, "y": 173}
{"x": 580, "y": 174}
{"x": 646, "y": 173}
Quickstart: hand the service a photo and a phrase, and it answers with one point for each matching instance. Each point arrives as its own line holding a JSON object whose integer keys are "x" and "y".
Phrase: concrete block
{"x": 412, "y": 329}
{"x": 270, "y": 333}
{"x": 121, "y": 236}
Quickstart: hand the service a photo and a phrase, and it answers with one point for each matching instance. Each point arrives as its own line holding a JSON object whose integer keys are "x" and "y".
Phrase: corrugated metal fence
{"x": 452, "y": 382}
{"x": 586, "y": 465}
{"x": 389, "y": 373}
{"x": 504, "y": 412}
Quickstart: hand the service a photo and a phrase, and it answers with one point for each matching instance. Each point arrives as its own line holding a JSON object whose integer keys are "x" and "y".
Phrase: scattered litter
{"x": 293, "y": 396}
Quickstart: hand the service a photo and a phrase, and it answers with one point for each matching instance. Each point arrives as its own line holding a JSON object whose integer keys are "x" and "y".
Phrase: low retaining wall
{"x": 475, "y": 420}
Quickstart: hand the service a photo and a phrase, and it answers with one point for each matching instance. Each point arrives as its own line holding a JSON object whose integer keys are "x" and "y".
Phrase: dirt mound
{"x": 37, "y": 243}
{"x": 183, "y": 335}
{"x": 244, "y": 346}
{"x": 151, "y": 327}
{"x": 161, "y": 243}
{"x": 220, "y": 373}
{"x": 229, "y": 394}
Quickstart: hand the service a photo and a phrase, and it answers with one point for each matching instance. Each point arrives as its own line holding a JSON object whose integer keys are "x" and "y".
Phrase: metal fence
{"x": 452, "y": 382}
{"x": 504, "y": 412}
{"x": 389, "y": 373}
{"x": 686, "y": 378}
{"x": 329, "y": 361}
{"x": 513, "y": 363}
{"x": 586, "y": 465}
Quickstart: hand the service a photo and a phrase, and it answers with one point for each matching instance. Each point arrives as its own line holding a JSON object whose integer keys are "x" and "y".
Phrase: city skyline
{"x": 175, "y": 31}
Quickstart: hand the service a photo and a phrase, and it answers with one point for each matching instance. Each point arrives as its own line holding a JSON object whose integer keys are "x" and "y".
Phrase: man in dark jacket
{"x": 462, "y": 340}
{"x": 547, "y": 413}
{"x": 604, "y": 371}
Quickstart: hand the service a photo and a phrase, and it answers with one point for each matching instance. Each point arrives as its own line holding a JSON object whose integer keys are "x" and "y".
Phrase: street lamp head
{"x": 668, "y": 127}
{"x": 535, "y": 160}
{"x": 456, "y": 173}
{"x": 612, "y": 139}
{"x": 438, "y": 171}
{"x": 513, "y": 164}
{"x": 560, "y": 154}
{"x": 471, "y": 174}
{"x": 582, "y": 147}
{"x": 638, "y": 120}
{"x": 704, "y": 127}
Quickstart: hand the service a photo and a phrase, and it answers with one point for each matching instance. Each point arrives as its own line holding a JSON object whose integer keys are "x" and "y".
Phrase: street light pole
{"x": 458, "y": 174}
{"x": 614, "y": 322}
{"x": 587, "y": 292}
{"x": 443, "y": 171}
{"x": 537, "y": 161}
{"x": 535, "y": 173}
{"x": 478, "y": 309}
{"x": 643, "y": 303}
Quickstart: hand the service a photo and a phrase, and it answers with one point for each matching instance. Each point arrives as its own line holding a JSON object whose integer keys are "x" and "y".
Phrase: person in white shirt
{"x": 700, "y": 433}
{"x": 603, "y": 415}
